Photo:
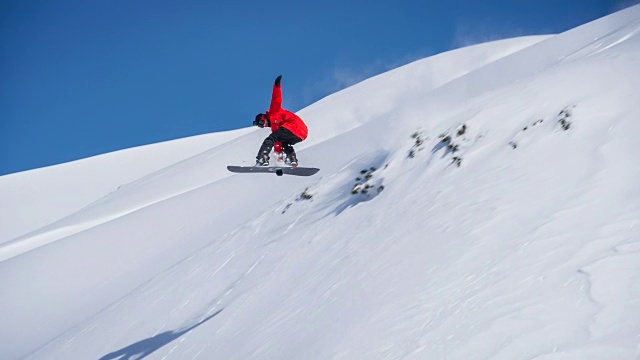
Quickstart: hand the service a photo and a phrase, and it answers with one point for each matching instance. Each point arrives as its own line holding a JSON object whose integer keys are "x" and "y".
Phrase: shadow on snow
{"x": 146, "y": 347}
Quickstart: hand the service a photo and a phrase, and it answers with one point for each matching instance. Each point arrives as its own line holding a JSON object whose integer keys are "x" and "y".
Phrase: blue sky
{"x": 80, "y": 78}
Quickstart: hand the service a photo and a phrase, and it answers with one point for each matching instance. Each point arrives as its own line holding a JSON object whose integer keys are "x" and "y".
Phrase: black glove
{"x": 278, "y": 80}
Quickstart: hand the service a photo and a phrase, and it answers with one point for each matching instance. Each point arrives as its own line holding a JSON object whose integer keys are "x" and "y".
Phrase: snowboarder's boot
{"x": 263, "y": 160}
{"x": 291, "y": 160}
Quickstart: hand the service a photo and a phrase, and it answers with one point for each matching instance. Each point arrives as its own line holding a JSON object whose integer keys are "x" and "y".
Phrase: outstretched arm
{"x": 276, "y": 96}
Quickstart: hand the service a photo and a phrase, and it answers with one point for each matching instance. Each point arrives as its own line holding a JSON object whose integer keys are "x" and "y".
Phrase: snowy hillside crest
{"x": 487, "y": 210}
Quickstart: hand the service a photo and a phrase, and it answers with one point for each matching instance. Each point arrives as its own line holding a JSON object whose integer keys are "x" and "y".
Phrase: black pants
{"x": 282, "y": 135}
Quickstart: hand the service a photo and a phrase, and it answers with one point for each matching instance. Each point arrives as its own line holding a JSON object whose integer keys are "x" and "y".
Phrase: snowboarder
{"x": 286, "y": 128}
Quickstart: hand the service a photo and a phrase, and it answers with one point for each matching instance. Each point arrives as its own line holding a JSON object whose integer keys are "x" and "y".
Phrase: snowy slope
{"x": 32, "y": 199}
{"x": 528, "y": 249}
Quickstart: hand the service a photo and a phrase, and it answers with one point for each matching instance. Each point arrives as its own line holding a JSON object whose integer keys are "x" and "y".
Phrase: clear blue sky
{"x": 80, "y": 77}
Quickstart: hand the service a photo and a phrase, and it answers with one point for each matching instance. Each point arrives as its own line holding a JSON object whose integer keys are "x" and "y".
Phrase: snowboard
{"x": 278, "y": 170}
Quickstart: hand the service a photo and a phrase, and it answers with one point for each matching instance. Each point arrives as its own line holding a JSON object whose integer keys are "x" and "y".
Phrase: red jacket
{"x": 279, "y": 117}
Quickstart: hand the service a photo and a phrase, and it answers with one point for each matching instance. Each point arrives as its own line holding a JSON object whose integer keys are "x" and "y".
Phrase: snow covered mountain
{"x": 478, "y": 204}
